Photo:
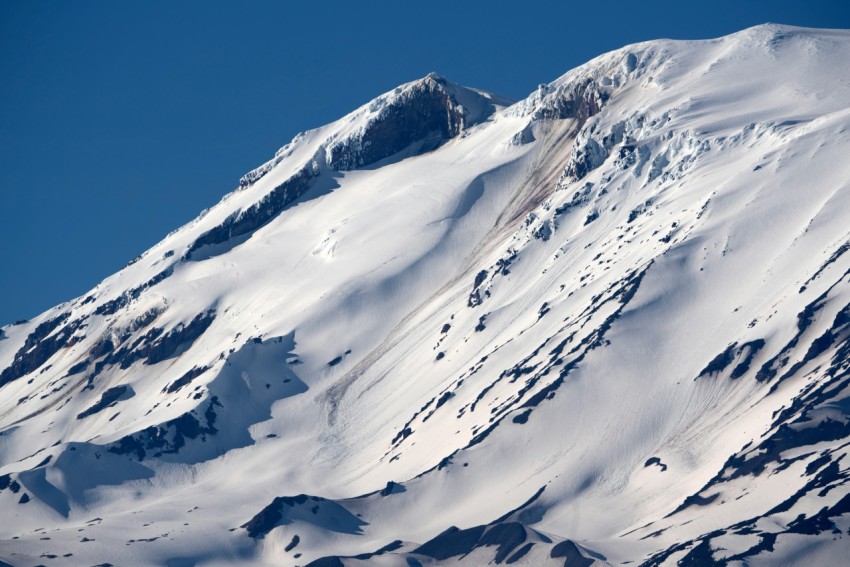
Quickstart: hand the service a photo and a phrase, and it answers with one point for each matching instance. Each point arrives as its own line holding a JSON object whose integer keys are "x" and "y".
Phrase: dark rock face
{"x": 840, "y": 328}
{"x": 585, "y": 159}
{"x": 701, "y": 551}
{"x": 452, "y": 542}
{"x": 694, "y": 500}
{"x": 822, "y": 521}
{"x": 316, "y": 510}
{"x": 112, "y": 306}
{"x": 78, "y": 368}
{"x": 805, "y": 318}
{"x": 185, "y": 380}
{"x": 267, "y": 519}
{"x": 7, "y": 482}
{"x": 582, "y": 100}
{"x": 475, "y": 298}
{"x": 507, "y": 537}
{"x": 249, "y": 220}
{"x": 522, "y": 417}
{"x": 229, "y": 406}
{"x": 831, "y": 260}
{"x": 620, "y": 292}
{"x": 293, "y": 544}
{"x": 751, "y": 348}
{"x": 579, "y": 199}
{"x": 155, "y": 346}
{"x": 428, "y": 110}
{"x": 720, "y": 362}
{"x": 446, "y": 396}
{"x": 169, "y": 437}
{"x": 392, "y": 488}
{"x": 655, "y": 461}
{"x": 108, "y": 399}
{"x": 327, "y": 562}
{"x": 570, "y": 552}
{"x": 520, "y": 553}
{"x": 337, "y": 559}
{"x": 39, "y": 346}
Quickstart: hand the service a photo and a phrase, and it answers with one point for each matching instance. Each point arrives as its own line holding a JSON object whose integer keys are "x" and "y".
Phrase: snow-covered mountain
{"x": 609, "y": 324}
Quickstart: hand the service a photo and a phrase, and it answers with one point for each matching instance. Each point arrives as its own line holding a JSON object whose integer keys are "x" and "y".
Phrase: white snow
{"x": 720, "y": 185}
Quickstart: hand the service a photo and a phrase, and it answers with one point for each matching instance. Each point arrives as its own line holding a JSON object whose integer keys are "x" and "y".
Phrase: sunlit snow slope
{"x": 608, "y": 323}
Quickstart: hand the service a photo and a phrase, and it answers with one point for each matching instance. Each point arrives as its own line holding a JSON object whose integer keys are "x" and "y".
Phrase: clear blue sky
{"x": 120, "y": 121}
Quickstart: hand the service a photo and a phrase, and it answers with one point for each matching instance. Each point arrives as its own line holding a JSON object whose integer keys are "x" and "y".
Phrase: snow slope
{"x": 608, "y": 323}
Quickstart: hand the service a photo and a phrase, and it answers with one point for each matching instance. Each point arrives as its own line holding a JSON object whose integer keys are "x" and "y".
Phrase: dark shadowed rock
{"x": 40, "y": 346}
{"x": 108, "y": 399}
{"x": 185, "y": 379}
{"x": 112, "y": 306}
{"x": 326, "y": 562}
{"x": 427, "y": 109}
{"x": 246, "y": 221}
{"x": 571, "y": 554}
{"x": 292, "y": 544}
{"x": 452, "y": 542}
{"x": 283, "y": 510}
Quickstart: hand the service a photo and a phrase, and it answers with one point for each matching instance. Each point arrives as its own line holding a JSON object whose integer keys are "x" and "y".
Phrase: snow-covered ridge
{"x": 384, "y": 126}
{"x": 606, "y": 324}
{"x": 423, "y": 113}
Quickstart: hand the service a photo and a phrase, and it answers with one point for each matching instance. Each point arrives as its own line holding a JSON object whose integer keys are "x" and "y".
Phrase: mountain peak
{"x": 434, "y": 76}
{"x": 431, "y": 110}
{"x": 610, "y": 323}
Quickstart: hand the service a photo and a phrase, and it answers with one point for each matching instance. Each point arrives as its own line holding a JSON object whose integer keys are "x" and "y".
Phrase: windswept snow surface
{"x": 608, "y": 323}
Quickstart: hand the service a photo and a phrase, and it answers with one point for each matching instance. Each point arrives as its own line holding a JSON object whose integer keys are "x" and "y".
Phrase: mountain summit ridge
{"x": 604, "y": 324}
{"x": 464, "y": 107}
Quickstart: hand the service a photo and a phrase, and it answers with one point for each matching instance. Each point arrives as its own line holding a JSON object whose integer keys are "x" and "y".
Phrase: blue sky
{"x": 120, "y": 121}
